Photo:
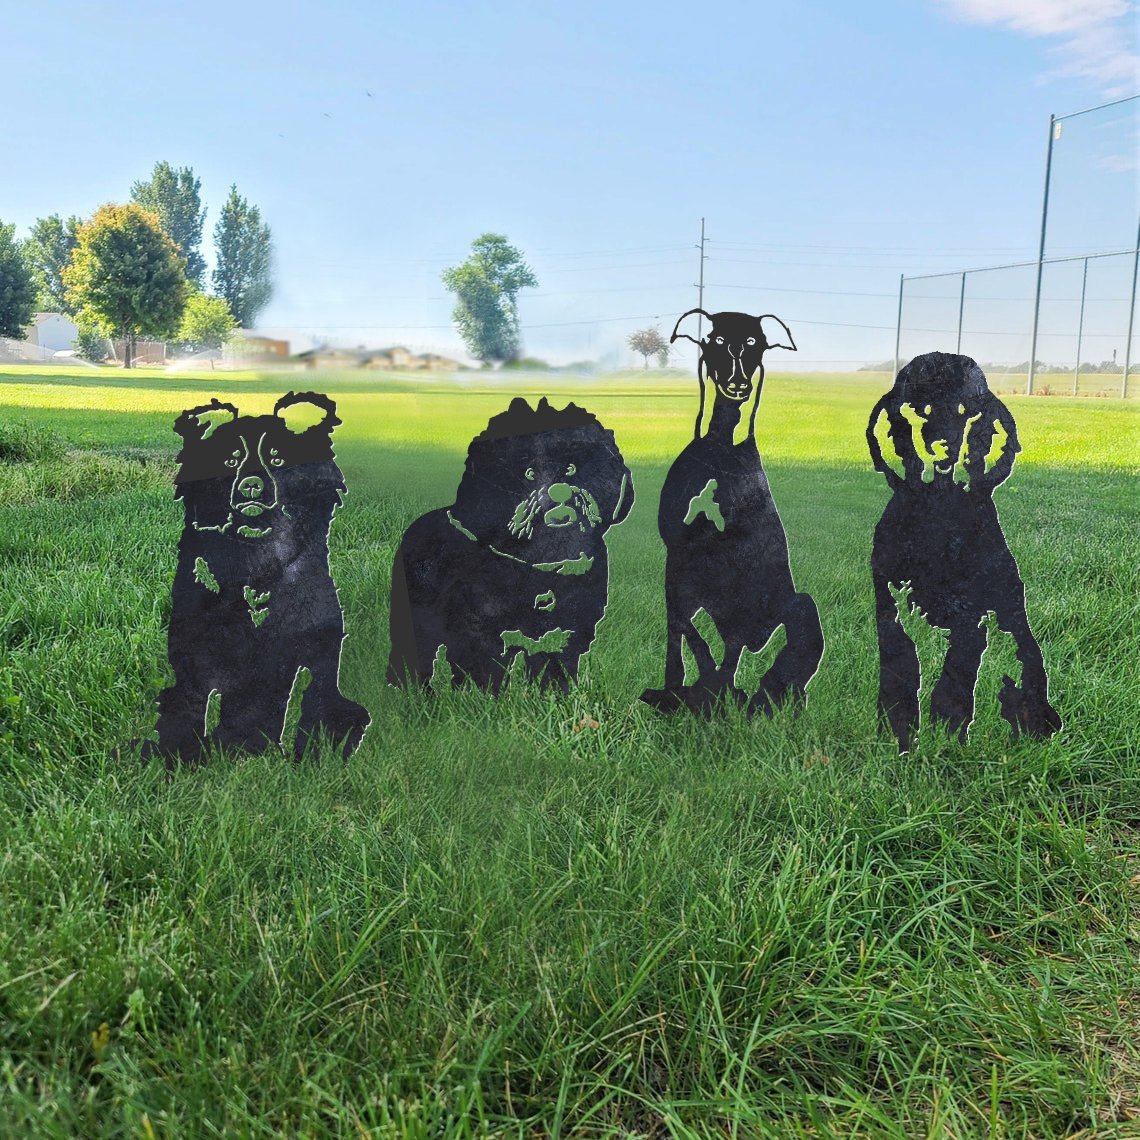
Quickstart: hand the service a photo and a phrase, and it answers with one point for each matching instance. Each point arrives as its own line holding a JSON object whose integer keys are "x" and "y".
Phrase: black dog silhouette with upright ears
{"x": 942, "y": 538}
{"x": 726, "y": 552}
{"x": 253, "y": 601}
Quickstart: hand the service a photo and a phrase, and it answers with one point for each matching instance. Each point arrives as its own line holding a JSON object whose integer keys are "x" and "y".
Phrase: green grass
{"x": 497, "y": 919}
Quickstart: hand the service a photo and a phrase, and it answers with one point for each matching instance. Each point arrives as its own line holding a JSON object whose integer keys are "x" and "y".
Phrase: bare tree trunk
{"x": 128, "y": 350}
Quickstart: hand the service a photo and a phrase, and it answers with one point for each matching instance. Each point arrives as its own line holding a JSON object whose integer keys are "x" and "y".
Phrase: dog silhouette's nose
{"x": 560, "y": 492}
{"x": 251, "y": 487}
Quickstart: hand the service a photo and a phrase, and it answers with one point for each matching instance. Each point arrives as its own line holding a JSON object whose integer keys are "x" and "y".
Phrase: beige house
{"x": 395, "y": 359}
{"x": 248, "y": 343}
{"x": 435, "y": 363}
{"x": 325, "y": 357}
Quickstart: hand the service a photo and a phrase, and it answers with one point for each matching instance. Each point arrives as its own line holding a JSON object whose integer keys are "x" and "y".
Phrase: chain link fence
{"x": 1064, "y": 322}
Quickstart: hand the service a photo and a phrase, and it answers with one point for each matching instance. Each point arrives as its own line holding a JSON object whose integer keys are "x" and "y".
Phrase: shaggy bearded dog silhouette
{"x": 517, "y": 565}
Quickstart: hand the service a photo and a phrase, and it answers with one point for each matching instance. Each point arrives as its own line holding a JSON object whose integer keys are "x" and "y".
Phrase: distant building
{"x": 395, "y": 359}
{"x": 248, "y": 343}
{"x": 52, "y": 332}
{"x": 435, "y": 363}
{"x": 322, "y": 356}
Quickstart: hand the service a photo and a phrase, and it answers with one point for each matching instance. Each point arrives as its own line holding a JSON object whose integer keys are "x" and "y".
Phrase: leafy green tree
{"x": 486, "y": 289}
{"x": 174, "y": 195}
{"x": 90, "y": 341}
{"x": 17, "y": 286}
{"x": 244, "y": 247}
{"x": 206, "y": 324}
{"x": 48, "y": 252}
{"x": 127, "y": 276}
{"x": 649, "y": 342}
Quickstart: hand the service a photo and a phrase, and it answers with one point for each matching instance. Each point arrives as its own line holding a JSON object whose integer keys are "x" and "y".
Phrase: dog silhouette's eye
{"x": 571, "y": 470}
{"x": 961, "y": 409}
{"x": 530, "y": 474}
{"x": 274, "y": 458}
{"x": 719, "y": 340}
{"x": 751, "y": 340}
{"x": 233, "y": 460}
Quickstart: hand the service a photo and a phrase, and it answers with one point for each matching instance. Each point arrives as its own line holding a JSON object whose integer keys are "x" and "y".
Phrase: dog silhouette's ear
{"x": 681, "y": 320}
{"x": 894, "y": 480}
{"x": 304, "y": 412}
{"x": 998, "y": 415}
{"x": 776, "y": 338}
{"x": 901, "y": 434}
{"x": 625, "y": 498}
{"x": 198, "y": 424}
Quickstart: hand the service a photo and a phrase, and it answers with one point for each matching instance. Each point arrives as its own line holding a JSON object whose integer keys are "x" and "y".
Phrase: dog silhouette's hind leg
{"x": 952, "y": 701}
{"x": 898, "y": 669}
{"x": 797, "y": 662}
{"x": 1026, "y": 706}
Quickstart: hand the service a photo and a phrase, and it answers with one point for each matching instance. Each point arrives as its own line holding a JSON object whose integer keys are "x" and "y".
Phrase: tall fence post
{"x": 898, "y": 323}
{"x": 1131, "y": 317}
{"x": 1040, "y": 261}
{"x": 1081, "y": 327}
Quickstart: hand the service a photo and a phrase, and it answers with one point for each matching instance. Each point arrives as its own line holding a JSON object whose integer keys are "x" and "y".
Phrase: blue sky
{"x": 830, "y": 147}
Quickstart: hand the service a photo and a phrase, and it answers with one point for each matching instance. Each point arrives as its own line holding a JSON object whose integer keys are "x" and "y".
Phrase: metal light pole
{"x": 1040, "y": 260}
{"x": 1131, "y": 318}
{"x": 1081, "y": 327}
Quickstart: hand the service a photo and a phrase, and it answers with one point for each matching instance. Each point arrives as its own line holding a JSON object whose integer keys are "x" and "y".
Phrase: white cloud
{"x": 1097, "y": 37}
{"x": 1119, "y": 163}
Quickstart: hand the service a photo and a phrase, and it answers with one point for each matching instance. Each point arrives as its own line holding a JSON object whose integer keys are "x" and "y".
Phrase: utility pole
{"x": 701, "y": 280}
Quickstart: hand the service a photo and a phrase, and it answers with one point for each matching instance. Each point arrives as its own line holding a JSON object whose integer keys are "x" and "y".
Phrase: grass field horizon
{"x": 499, "y": 919}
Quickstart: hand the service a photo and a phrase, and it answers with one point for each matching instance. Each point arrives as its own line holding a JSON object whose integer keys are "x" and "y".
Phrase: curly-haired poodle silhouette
{"x": 518, "y": 563}
{"x": 253, "y": 603}
{"x": 726, "y": 552}
{"x": 941, "y": 538}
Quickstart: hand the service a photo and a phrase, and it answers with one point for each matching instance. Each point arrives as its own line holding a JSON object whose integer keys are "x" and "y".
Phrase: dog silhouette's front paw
{"x": 663, "y": 700}
{"x": 1028, "y": 711}
{"x": 343, "y": 726}
{"x": 145, "y": 750}
{"x": 701, "y": 700}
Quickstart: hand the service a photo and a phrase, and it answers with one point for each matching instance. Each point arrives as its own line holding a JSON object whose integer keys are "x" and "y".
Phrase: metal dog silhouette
{"x": 253, "y": 602}
{"x": 726, "y": 552}
{"x": 518, "y": 563}
{"x": 942, "y": 539}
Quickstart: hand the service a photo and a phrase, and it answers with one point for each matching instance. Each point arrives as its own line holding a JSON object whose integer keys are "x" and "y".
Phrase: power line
{"x": 813, "y": 292}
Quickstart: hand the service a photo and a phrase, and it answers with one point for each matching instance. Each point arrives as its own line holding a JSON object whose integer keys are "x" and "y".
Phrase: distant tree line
{"x": 136, "y": 270}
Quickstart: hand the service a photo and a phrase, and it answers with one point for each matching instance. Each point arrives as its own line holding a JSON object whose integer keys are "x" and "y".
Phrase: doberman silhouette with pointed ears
{"x": 726, "y": 552}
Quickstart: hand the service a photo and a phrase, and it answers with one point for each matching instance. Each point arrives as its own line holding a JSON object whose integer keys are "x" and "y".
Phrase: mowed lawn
{"x": 499, "y": 919}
